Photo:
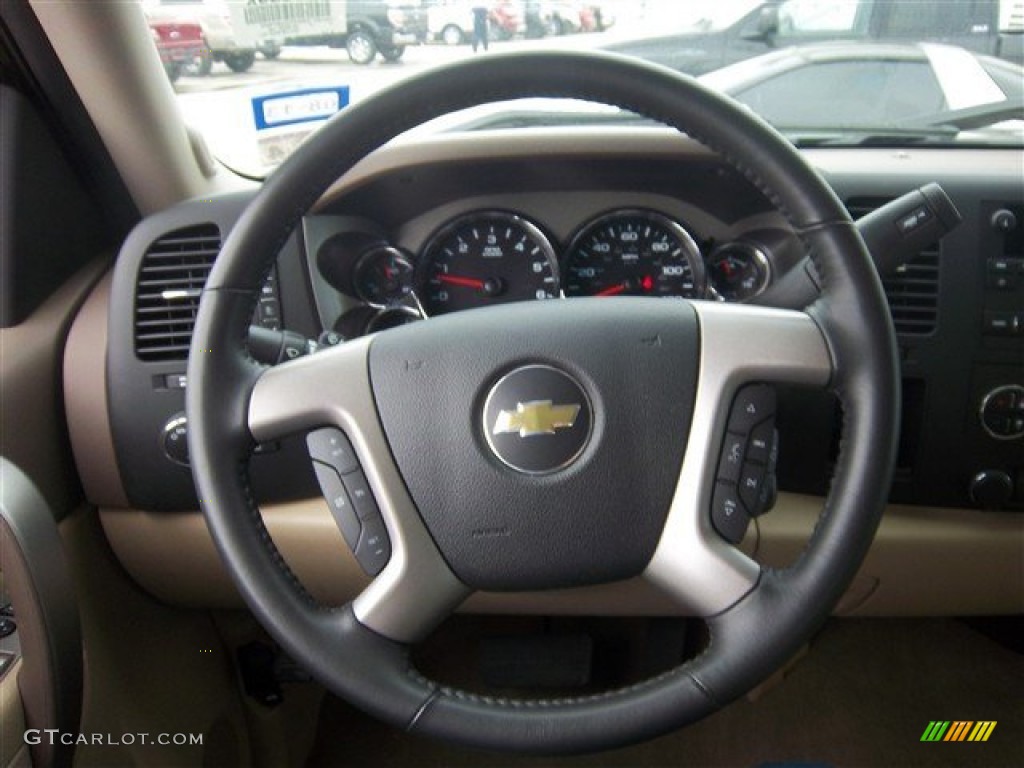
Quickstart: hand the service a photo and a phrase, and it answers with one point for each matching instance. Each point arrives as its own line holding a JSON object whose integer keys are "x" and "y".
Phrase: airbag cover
{"x": 592, "y": 514}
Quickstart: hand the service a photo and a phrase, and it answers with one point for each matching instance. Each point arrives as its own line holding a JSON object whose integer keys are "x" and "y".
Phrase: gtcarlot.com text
{"x": 52, "y": 736}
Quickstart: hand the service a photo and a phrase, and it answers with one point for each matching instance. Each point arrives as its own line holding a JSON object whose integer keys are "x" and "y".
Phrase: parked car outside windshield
{"x": 868, "y": 85}
{"x": 892, "y": 64}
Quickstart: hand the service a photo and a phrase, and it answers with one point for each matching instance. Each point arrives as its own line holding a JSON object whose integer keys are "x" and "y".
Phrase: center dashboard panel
{"x": 447, "y": 230}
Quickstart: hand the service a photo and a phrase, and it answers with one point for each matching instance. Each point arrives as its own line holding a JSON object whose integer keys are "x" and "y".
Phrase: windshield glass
{"x": 256, "y": 78}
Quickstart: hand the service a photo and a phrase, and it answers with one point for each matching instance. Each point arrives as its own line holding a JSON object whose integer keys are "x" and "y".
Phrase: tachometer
{"x": 489, "y": 257}
{"x": 638, "y": 253}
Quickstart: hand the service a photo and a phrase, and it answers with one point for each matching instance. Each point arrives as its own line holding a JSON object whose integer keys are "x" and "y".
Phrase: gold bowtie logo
{"x": 538, "y": 417}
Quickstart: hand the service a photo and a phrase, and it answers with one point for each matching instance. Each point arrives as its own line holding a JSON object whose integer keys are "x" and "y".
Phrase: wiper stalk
{"x": 894, "y": 234}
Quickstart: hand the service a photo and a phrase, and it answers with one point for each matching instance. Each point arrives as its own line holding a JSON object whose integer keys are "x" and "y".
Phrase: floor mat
{"x": 863, "y": 696}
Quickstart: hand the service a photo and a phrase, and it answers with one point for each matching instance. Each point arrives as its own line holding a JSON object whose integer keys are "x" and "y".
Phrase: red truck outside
{"x": 178, "y": 44}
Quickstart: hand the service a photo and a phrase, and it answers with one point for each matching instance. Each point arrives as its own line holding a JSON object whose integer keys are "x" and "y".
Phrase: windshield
{"x": 257, "y": 78}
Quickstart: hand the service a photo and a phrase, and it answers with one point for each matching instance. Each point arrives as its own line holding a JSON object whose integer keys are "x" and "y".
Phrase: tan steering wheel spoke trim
{"x": 739, "y": 345}
{"x": 416, "y": 589}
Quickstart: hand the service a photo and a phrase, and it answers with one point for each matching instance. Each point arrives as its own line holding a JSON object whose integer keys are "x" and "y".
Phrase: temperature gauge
{"x": 739, "y": 271}
{"x": 383, "y": 276}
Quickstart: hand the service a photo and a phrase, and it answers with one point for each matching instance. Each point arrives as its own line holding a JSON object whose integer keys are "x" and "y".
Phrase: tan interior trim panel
{"x": 13, "y": 750}
{"x": 924, "y": 562}
{"x": 158, "y": 164}
{"x": 172, "y": 556}
{"x": 85, "y": 401}
{"x": 29, "y": 417}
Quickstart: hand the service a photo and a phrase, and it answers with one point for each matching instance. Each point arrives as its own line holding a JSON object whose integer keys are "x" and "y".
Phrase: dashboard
{"x": 677, "y": 232}
{"x": 447, "y": 223}
{"x": 492, "y": 256}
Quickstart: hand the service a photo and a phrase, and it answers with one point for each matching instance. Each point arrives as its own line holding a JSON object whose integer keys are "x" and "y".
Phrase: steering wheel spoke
{"x": 313, "y": 391}
{"x": 740, "y": 345}
{"x": 416, "y": 589}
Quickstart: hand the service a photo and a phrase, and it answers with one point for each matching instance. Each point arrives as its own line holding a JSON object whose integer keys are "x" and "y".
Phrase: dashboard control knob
{"x": 174, "y": 439}
{"x": 1002, "y": 412}
{"x": 1004, "y": 220}
{"x": 329, "y": 339}
{"x": 991, "y": 489}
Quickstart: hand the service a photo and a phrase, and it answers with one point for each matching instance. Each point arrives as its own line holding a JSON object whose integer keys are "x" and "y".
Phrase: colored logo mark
{"x": 958, "y": 730}
{"x": 539, "y": 417}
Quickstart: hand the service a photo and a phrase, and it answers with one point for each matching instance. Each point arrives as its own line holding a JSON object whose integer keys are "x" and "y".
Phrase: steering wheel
{"x": 546, "y": 444}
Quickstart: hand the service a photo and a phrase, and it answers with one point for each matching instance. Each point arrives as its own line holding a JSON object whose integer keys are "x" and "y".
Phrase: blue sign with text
{"x": 308, "y": 105}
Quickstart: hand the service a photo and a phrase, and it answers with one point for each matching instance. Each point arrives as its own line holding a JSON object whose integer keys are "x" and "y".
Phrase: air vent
{"x": 171, "y": 279}
{"x": 913, "y": 292}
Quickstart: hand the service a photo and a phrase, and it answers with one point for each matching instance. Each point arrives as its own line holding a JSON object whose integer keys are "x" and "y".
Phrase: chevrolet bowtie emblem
{"x": 537, "y": 417}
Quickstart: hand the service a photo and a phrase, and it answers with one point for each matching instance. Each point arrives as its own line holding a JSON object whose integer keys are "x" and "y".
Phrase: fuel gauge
{"x": 383, "y": 276}
{"x": 739, "y": 271}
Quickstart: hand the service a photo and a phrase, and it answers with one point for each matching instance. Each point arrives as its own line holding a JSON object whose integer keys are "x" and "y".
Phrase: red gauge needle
{"x": 465, "y": 282}
{"x": 612, "y": 291}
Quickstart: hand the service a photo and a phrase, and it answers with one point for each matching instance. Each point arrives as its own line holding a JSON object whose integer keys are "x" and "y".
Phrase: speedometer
{"x": 484, "y": 258}
{"x": 637, "y": 253}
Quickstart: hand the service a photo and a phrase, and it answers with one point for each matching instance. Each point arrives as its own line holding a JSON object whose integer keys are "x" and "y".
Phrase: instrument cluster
{"x": 497, "y": 256}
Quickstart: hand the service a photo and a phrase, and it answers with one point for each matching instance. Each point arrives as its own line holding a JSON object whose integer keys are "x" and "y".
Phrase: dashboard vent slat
{"x": 913, "y": 292}
{"x": 173, "y": 273}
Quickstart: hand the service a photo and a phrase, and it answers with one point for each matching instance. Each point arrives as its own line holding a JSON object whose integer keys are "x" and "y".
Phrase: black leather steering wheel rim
{"x": 753, "y": 636}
